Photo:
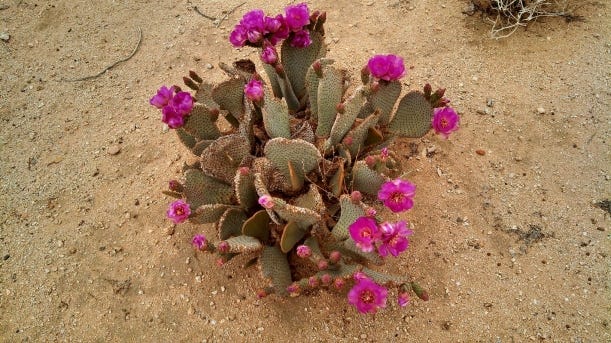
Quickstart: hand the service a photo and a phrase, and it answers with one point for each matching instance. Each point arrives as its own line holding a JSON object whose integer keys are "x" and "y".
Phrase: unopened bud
{"x": 339, "y": 283}
{"x": 365, "y": 75}
{"x": 304, "y": 251}
{"x": 293, "y": 289}
{"x": 177, "y": 89}
{"x": 223, "y": 247}
{"x": 440, "y": 92}
{"x": 317, "y": 66}
{"x": 371, "y": 212}
{"x": 420, "y": 292}
{"x": 370, "y": 161}
{"x": 313, "y": 281}
{"x": 266, "y": 201}
{"x": 375, "y": 86}
{"x": 323, "y": 265}
{"x": 314, "y": 16}
{"x": 326, "y": 279}
{"x": 428, "y": 90}
{"x": 244, "y": 171}
{"x": 279, "y": 70}
{"x": 261, "y": 294}
{"x": 348, "y": 140}
{"x": 335, "y": 256}
{"x": 358, "y": 276}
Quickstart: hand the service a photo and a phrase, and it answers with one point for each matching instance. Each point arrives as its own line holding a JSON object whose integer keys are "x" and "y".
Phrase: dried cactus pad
{"x": 413, "y": 116}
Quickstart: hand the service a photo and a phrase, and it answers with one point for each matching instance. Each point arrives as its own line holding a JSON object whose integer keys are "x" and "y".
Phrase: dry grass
{"x": 509, "y": 15}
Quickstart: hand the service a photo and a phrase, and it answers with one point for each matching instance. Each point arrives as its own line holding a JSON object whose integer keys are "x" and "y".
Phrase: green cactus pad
{"x": 343, "y": 271}
{"x": 229, "y": 94}
{"x": 257, "y": 226}
{"x": 291, "y": 99}
{"x": 243, "y": 244}
{"x": 358, "y": 135}
{"x": 302, "y": 155}
{"x": 172, "y": 194}
{"x": 273, "y": 80}
{"x": 413, "y": 116}
{"x": 276, "y": 118}
{"x": 366, "y": 110}
{"x": 305, "y": 132}
{"x": 349, "y": 213}
{"x": 275, "y": 267}
{"x": 291, "y": 234}
{"x": 200, "y": 189}
{"x": 201, "y": 123}
{"x": 302, "y": 216}
{"x": 330, "y": 92}
{"x": 366, "y": 180}
{"x": 387, "y": 280}
{"x": 296, "y": 61}
{"x": 231, "y": 223}
{"x": 344, "y": 121}
{"x": 246, "y": 126}
{"x": 385, "y": 98}
{"x": 311, "y": 200}
{"x": 204, "y": 96}
{"x": 221, "y": 158}
{"x": 185, "y": 138}
{"x": 245, "y": 190}
{"x": 209, "y": 213}
{"x": 374, "y": 136}
{"x": 311, "y": 83}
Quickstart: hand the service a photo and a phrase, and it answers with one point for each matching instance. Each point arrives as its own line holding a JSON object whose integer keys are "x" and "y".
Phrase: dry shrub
{"x": 509, "y": 15}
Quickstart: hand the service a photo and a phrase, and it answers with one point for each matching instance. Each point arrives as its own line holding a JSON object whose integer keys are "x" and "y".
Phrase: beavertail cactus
{"x": 290, "y": 180}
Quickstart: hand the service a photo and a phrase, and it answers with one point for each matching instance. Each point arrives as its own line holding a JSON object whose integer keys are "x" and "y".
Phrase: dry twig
{"x": 112, "y": 65}
{"x": 217, "y": 21}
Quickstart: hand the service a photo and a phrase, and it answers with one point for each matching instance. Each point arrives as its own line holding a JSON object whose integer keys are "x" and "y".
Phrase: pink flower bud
{"x": 370, "y": 161}
{"x": 356, "y": 197}
{"x": 175, "y": 186}
{"x": 348, "y": 140}
{"x": 326, "y": 279}
{"x": 371, "y": 212}
{"x": 323, "y": 265}
{"x": 339, "y": 283}
{"x": 244, "y": 171}
{"x": 358, "y": 276}
{"x": 266, "y": 201}
{"x": 199, "y": 242}
{"x": 313, "y": 281}
{"x": 335, "y": 256}
{"x": 340, "y": 108}
{"x": 304, "y": 251}
{"x": 293, "y": 289}
{"x": 223, "y": 247}
{"x": 403, "y": 299}
{"x": 317, "y": 68}
{"x": 261, "y": 294}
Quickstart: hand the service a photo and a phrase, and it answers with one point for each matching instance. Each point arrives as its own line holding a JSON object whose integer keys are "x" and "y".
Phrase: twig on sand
{"x": 217, "y": 21}
{"x": 112, "y": 65}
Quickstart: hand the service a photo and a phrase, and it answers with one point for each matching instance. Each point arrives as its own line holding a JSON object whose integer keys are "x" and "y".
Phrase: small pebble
{"x": 113, "y": 150}
{"x": 4, "y": 6}
{"x": 480, "y": 152}
{"x": 5, "y": 36}
{"x": 490, "y": 102}
{"x": 541, "y": 110}
{"x": 209, "y": 66}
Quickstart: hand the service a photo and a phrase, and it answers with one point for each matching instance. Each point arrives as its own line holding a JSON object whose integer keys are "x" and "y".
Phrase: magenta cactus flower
{"x": 254, "y": 90}
{"x": 254, "y": 24}
{"x": 179, "y": 211}
{"x": 199, "y": 242}
{"x": 281, "y": 33}
{"x": 182, "y": 103}
{"x": 163, "y": 97}
{"x": 445, "y": 121}
{"x": 367, "y": 296}
{"x": 397, "y": 195}
{"x": 304, "y": 251}
{"x": 269, "y": 54}
{"x": 238, "y": 36}
{"x": 403, "y": 299}
{"x": 172, "y": 118}
{"x": 394, "y": 238}
{"x": 386, "y": 67}
{"x": 297, "y": 16}
{"x": 301, "y": 39}
{"x": 364, "y": 231}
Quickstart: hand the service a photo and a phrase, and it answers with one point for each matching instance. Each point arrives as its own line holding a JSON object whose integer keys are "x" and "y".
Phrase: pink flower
{"x": 297, "y": 16}
{"x": 182, "y": 103}
{"x": 281, "y": 33}
{"x": 163, "y": 97}
{"x": 266, "y": 201}
{"x": 364, "y": 231}
{"x": 254, "y": 90}
{"x": 394, "y": 238}
{"x": 171, "y": 117}
{"x": 269, "y": 54}
{"x": 301, "y": 39}
{"x": 272, "y": 25}
{"x": 397, "y": 195}
{"x": 179, "y": 211}
{"x": 238, "y": 36}
{"x": 304, "y": 251}
{"x": 386, "y": 67}
{"x": 384, "y": 154}
{"x": 199, "y": 242}
{"x": 403, "y": 299}
{"x": 367, "y": 296}
{"x": 445, "y": 121}
{"x": 254, "y": 24}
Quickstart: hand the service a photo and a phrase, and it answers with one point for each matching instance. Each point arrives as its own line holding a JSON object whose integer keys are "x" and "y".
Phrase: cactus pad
{"x": 296, "y": 61}
{"x": 330, "y": 92}
{"x": 209, "y": 213}
{"x": 413, "y": 116}
{"x": 302, "y": 216}
{"x": 200, "y": 189}
{"x": 201, "y": 123}
{"x": 366, "y": 180}
{"x": 311, "y": 83}
{"x": 243, "y": 244}
{"x": 276, "y": 118}
{"x": 231, "y": 223}
{"x": 221, "y": 158}
{"x": 349, "y": 213}
{"x": 291, "y": 234}
{"x": 303, "y": 156}
{"x": 245, "y": 190}
{"x": 385, "y": 98}
{"x": 344, "y": 121}
{"x": 257, "y": 226}
{"x": 275, "y": 267}
{"x": 229, "y": 95}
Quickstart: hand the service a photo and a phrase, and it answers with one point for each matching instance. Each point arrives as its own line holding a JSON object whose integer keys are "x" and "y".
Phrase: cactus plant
{"x": 302, "y": 157}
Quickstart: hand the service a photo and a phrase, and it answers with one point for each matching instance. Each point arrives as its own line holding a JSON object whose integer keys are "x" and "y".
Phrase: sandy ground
{"x": 510, "y": 244}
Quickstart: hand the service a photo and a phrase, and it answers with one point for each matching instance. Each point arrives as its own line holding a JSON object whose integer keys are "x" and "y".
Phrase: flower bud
{"x": 293, "y": 289}
{"x": 420, "y": 292}
{"x": 175, "y": 186}
{"x": 223, "y": 247}
{"x": 335, "y": 256}
{"x": 339, "y": 283}
{"x": 195, "y": 77}
{"x": 313, "y": 281}
{"x": 261, "y": 294}
{"x": 326, "y": 279}
{"x": 304, "y": 251}
{"x": 323, "y": 265}
{"x": 356, "y": 197}
{"x": 428, "y": 90}
{"x": 244, "y": 171}
{"x": 340, "y": 108}
{"x": 317, "y": 66}
{"x": 266, "y": 201}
